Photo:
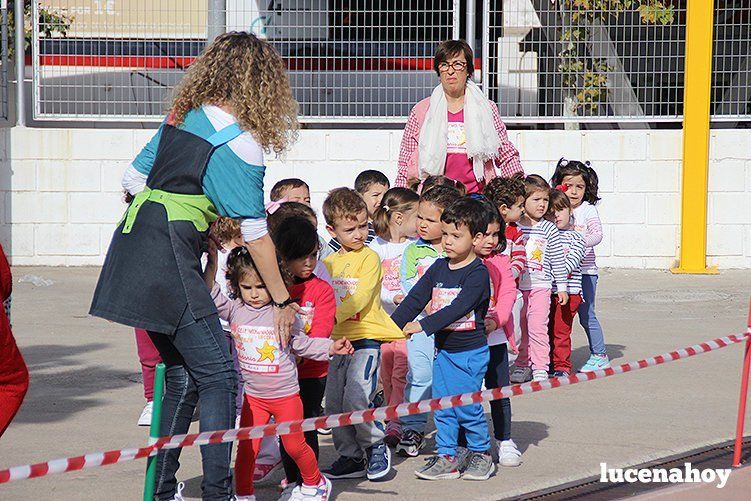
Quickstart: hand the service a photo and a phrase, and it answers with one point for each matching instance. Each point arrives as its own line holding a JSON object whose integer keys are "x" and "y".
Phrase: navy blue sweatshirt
{"x": 459, "y": 303}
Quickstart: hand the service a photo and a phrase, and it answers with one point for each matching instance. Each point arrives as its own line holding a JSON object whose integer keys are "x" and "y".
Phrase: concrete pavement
{"x": 85, "y": 393}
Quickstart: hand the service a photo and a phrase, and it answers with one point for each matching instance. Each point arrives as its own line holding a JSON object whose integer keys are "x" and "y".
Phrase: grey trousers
{"x": 351, "y": 386}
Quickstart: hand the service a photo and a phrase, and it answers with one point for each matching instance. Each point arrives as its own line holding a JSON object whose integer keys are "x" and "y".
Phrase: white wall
{"x": 60, "y": 190}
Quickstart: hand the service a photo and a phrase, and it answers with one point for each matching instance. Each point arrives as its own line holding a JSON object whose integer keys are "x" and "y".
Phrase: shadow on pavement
{"x": 62, "y": 384}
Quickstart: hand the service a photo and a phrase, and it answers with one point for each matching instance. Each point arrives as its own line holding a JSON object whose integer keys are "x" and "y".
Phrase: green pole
{"x": 156, "y": 418}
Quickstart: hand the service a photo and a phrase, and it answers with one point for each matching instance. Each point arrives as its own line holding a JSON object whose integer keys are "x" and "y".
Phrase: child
{"x": 545, "y": 262}
{"x": 371, "y": 185}
{"x": 502, "y": 297}
{"x": 457, "y": 288}
{"x": 289, "y": 209}
{"x": 395, "y": 223}
{"x": 270, "y": 374}
{"x": 562, "y": 316}
{"x": 291, "y": 190}
{"x": 296, "y": 242}
{"x": 418, "y": 257}
{"x": 581, "y": 189}
{"x": 352, "y": 381}
{"x": 437, "y": 180}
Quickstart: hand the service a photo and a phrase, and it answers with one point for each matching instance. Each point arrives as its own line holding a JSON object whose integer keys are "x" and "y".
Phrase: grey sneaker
{"x": 521, "y": 375}
{"x": 480, "y": 467}
{"x": 439, "y": 467}
{"x": 462, "y": 458}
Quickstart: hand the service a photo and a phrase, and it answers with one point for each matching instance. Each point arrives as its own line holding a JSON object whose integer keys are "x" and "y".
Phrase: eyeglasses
{"x": 456, "y": 65}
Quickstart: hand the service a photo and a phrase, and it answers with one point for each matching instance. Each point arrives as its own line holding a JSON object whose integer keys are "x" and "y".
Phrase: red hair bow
{"x": 562, "y": 187}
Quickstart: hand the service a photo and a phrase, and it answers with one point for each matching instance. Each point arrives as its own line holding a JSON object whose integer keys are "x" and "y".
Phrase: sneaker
{"x": 596, "y": 363}
{"x": 252, "y": 497}
{"x": 411, "y": 444}
{"x": 539, "y": 375}
{"x": 393, "y": 434}
{"x": 521, "y": 375}
{"x": 379, "y": 461}
{"x": 508, "y": 454}
{"x": 179, "y": 493}
{"x": 262, "y": 471}
{"x": 320, "y": 492}
{"x": 145, "y": 419}
{"x": 324, "y": 431}
{"x": 560, "y": 374}
{"x": 462, "y": 458}
{"x": 440, "y": 467}
{"x": 480, "y": 467}
{"x": 345, "y": 467}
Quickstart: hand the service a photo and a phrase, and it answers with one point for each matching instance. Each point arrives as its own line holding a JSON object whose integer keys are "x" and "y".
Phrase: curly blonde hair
{"x": 247, "y": 75}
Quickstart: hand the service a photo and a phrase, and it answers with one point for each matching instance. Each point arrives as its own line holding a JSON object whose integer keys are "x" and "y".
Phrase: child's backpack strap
{"x": 225, "y": 135}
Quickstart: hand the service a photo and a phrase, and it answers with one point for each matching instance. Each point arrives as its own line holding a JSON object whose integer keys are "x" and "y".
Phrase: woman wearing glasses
{"x": 457, "y": 131}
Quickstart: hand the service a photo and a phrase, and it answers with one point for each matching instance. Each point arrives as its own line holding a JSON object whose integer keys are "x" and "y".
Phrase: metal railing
{"x": 542, "y": 61}
{"x": 4, "y": 62}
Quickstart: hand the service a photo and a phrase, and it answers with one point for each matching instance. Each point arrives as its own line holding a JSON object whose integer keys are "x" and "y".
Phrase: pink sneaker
{"x": 263, "y": 471}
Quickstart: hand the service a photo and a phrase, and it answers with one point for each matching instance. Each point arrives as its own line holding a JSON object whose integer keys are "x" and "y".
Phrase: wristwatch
{"x": 283, "y": 304}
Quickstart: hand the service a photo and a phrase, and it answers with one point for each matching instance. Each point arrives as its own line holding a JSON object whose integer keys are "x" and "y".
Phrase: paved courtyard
{"x": 85, "y": 393}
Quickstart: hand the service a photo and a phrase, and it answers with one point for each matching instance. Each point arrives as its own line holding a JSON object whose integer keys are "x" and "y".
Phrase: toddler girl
{"x": 418, "y": 256}
{"x": 562, "y": 316}
{"x": 269, "y": 370}
{"x": 395, "y": 224}
{"x": 296, "y": 243}
{"x": 502, "y": 297}
{"x": 581, "y": 183}
{"x": 545, "y": 262}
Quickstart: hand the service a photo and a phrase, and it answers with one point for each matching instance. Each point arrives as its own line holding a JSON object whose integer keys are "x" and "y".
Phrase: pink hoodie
{"x": 503, "y": 296}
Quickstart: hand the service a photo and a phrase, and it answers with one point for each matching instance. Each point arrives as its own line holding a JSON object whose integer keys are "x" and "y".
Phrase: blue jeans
{"x": 420, "y": 355}
{"x": 455, "y": 373}
{"x": 588, "y": 316}
{"x": 199, "y": 366}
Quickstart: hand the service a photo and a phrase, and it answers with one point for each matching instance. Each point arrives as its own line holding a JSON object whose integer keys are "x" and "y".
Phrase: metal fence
{"x": 347, "y": 59}
{"x": 370, "y": 60}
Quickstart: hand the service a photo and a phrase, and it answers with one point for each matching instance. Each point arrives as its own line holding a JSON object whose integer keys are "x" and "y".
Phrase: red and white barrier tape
{"x": 363, "y": 416}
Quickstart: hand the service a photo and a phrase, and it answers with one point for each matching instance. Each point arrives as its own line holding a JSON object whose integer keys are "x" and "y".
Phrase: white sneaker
{"x": 178, "y": 492}
{"x": 252, "y": 497}
{"x": 508, "y": 454}
{"x": 321, "y": 492}
{"x": 145, "y": 419}
{"x": 539, "y": 375}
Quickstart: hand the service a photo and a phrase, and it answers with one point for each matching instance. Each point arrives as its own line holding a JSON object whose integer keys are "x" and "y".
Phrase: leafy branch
{"x": 51, "y": 22}
{"x": 587, "y": 76}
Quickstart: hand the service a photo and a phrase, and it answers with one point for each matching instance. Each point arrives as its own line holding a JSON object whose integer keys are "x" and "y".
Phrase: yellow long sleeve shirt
{"x": 356, "y": 278}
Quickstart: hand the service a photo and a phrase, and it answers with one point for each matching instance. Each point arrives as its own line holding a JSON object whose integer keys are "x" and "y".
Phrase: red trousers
{"x": 560, "y": 324}
{"x": 258, "y": 411}
{"x": 394, "y": 371}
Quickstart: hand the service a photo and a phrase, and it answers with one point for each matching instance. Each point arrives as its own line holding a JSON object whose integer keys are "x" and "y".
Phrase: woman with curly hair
{"x": 206, "y": 160}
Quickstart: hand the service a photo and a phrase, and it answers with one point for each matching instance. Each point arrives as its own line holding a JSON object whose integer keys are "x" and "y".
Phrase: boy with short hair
{"x": 371, "y": 185}
{"x": 458, "y": 290}
{"x": 351, "y": 385}
{"x": 291, "y": 190}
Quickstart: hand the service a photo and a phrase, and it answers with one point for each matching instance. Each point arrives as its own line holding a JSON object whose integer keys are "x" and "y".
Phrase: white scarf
{"x": 483, "y": 142}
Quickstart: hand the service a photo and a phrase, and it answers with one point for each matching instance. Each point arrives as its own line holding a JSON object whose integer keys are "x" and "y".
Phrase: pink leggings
{"x": 535, "y": 344}
{"x": 149, "y": 357}
{"x": 394, "y": 371}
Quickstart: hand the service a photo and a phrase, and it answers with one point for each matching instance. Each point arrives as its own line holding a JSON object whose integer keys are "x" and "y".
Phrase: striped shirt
{"x": 587, "y": 223}
{"x": 545, "y": 259}
{"x": 334, "y": 244}
{"x": 515, "y": 250}
{"x": 573, "y": 250}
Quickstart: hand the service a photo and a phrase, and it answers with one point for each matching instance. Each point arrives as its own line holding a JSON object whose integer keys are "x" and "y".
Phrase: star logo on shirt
{"x": 266, "y": 351}
{"x": 537, "y": 255}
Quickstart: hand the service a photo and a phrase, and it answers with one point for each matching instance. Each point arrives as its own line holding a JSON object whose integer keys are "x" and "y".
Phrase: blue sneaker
{"x": 379, "y": 462}
{"x": 345, "y": 467}
{"x": 596, "y": 363}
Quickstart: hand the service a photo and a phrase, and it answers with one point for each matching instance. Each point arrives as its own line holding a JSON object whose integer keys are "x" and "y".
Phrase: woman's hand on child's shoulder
{"x": 341, "y": 347}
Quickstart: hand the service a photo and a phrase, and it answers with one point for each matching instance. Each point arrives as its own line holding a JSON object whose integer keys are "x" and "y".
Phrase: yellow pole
{"x": 696, "y": 102}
